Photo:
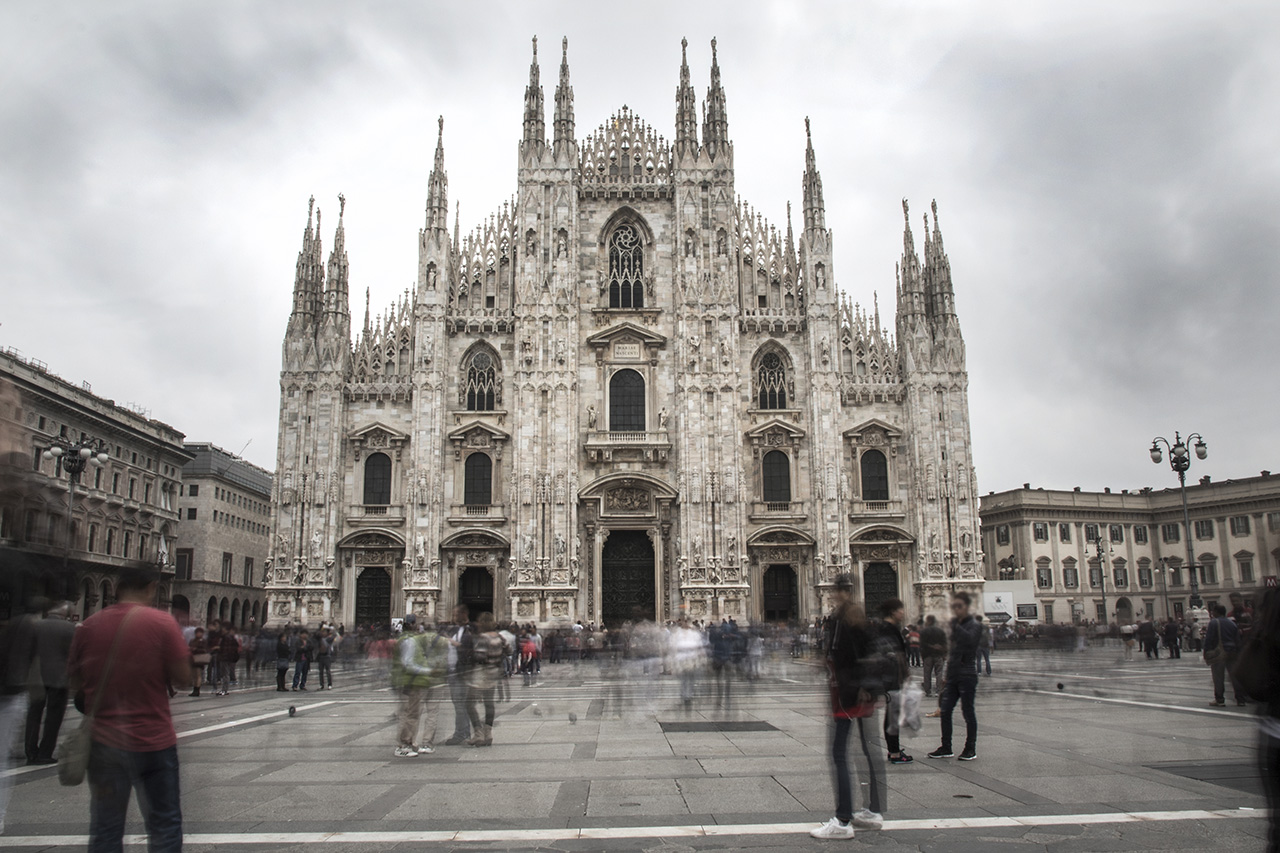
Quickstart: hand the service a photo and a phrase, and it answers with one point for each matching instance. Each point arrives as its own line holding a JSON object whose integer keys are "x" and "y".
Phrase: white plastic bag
{"x": 909, "y": 699}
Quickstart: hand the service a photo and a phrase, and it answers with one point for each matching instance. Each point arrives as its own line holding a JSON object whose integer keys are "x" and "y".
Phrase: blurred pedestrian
{"x": 303, "y": 653}
{"x": 226, "y": 656}
{"x": 483, "y": 673}
{"x": 1260, "y": 674}
{"x": 460, "y": 639}
{"x": 134, "y": 745}
{"x": 283, "y": 653}
{"x": 854, "y": 686}
{"x": 17, "y": 650}
{"x": 47, "y": 700}
{"x": 895, "y": 672}
{"x": 933, "y": 647}
{"x": 200, "y": 657}
{"x": 421, "y": 661}
{"x": 962, "y": 679}
{"x": 1221, "y": 645}
{"x": 324, "y": 657}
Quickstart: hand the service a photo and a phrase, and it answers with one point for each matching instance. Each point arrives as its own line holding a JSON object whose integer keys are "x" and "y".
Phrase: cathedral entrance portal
{"x": 879, "y": 584}
{"x": 627, "y": 578}
{"x": 373, "y": 597}
{"x": 780, "y": 594}
{"x": 475, "y": 590}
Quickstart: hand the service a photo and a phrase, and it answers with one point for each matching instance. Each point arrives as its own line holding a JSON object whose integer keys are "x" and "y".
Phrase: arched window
{"x": 480, "y": 382}
{"x": 875, "y": 476}
{"x": 626, "y": 402}
{"x": 377, "y": 479}
{"x": 626, "y": 269}
{"x": 776, "y": 468}
{"x": 477, "y": 487}
{"x": 772, "y": 379}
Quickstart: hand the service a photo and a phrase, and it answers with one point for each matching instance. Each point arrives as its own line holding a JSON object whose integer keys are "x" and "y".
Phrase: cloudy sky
{"x": 1107, "y": 175}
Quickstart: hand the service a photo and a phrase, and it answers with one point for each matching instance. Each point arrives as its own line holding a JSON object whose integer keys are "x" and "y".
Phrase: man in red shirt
{"x": 135, "y": 747}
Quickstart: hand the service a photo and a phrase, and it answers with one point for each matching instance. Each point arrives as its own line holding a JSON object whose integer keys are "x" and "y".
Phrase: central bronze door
{"x": 373, "y": 597}
{"x": 627, "y": 578}
{"x": 879, "y": 583}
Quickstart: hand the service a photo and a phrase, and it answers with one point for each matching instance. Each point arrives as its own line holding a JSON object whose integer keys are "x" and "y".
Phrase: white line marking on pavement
{"x": 589, "y": 833}
{"x": 1211, "y": 711}
{"x": 231, "y": 724}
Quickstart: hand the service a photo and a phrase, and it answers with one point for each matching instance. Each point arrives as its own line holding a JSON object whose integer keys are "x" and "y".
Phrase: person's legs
{"x": 1237, "y": 691}
{"x": 431, "y": 713}
{"x": 891, "y": 740}
{"x": 1218, "y": 669}
{"x": 875, "y": 768}
{"x": 410, "y": 713}
{"x": 55, "y": 708}
{"x": 490, "y": 710}
{"x": 461, "y": 715}
{"x": 946, "y": 704}
{"x": 11, "y": 710}
{"x": 155, "y": 777}
{"x": 297, "y": 673}
{"x": 840, "y": 770}
{"x": 35, "y": 715}
{"x": 968, "y": 690}
{"x": 282, "y": 673}
{"x": 304, "y": 669}
{"x": 110, "y": 784}
{"x": 473, "y": 711}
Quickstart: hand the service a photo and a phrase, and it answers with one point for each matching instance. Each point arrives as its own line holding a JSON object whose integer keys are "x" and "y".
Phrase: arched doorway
{"x": 627, "y": 578}
{"x": 89, "y": 595}
{"x": 779, "y": 594}
{"x": 235, "y": 612}
{"x": 224, "y": 610}
{"x": 211, "y": 612}
{"x": 373, "y": 596}
{"x": 879, "y": 584}
{"x": 181, "y": 609}
{"x": 1124, "y": 611}
{"x": 475, "y": 590}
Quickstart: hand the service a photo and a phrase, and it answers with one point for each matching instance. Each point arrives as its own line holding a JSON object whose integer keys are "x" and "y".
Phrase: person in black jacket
{"x": 962, "y": 679}
{"x": 1222, "y": 632}
{"x": 855, "y": 684}
{"x": 893, "y": 649}
{"x": 283, "y": 653}
{"x": 1265, "y": 687}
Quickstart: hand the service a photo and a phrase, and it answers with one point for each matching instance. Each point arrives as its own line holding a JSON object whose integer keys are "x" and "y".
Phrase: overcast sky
{"x": 1107, "y": 177}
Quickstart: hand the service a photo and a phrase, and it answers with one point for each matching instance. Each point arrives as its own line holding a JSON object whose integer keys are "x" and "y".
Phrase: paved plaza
{"x": 1076, "y": 752}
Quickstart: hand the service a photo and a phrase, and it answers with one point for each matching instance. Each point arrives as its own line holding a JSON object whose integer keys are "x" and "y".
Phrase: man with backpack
{"x": 418, "y": 667}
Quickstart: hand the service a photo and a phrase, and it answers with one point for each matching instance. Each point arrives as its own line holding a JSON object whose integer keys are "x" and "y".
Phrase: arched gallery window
{"x": 772, "y": 380}
{"x": 478, "y": 480}
{"x": 626, "y": 268}
{"x": 776, "y": 470}
{"x": 626, "y": 402}
{"x": 377, "y": 479}
{"x": 875, "y": 476}
{"x": 480, "y": 381}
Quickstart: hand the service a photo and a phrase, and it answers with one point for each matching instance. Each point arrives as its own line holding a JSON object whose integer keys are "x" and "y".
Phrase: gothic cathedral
{"x": 624, "y": 395}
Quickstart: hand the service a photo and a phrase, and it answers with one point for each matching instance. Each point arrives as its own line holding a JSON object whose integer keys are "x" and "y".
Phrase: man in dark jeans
{"x": 1222, "y": 632}
{"x": 302, "y": 655}
{"x": 962, "y": 679}
{"x": 134, "y": 745}
{"x": 52, "y": 636}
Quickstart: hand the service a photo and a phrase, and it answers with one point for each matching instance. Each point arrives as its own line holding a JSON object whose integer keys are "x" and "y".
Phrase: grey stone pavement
{"x": 1122, "y": 756}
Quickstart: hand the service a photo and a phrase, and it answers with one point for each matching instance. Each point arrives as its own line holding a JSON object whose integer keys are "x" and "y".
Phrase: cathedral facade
{"x": 624, "y": 395}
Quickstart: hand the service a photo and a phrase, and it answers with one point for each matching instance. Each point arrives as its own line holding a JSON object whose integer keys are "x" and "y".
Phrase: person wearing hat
{"x": 420, "y": 660}
{"x": 855, "y": 680}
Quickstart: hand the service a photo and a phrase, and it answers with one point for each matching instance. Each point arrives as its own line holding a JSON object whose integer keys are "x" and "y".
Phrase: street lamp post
{"x": 1180, "y": 461}
{"x": 1104, "y": 551}
{"x": 1164, "y": 584}
{"x": 73, "y": 457}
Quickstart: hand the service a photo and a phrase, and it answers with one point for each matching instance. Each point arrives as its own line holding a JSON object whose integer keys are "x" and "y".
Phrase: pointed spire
{"x": 564, "y": 103}
{"x": 939, "y": 293}
{"x": 535, "y": 130}
{"x": 686, "y": 107}
{"x": 336, "y": 299}
{"x": 815, "y": 215}
{"x": 715, "y": 118}
{"x": 438, "y": 187}
{"x": 910, "y": 286}
{"x": 791, "y": 242}
{"x": 310, "y": 264}
{"x": 367, "y": 327}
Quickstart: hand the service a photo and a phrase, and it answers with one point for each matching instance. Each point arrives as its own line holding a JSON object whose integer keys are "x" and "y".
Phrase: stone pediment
{"x": 780, "y": 536}
{"x": 873, "y": 432}
{"x": 376, "y": 437}
{"x": 478, "y": 435}
{"x": 775, "y": 431}
{"x": 627, "y": 329}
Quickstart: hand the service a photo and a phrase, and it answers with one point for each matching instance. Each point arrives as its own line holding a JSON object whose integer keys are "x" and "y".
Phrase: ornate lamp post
{"x": 1180, "y": 461}
{"x": 73, "y": 457}
{"x": 1104, "y": 553}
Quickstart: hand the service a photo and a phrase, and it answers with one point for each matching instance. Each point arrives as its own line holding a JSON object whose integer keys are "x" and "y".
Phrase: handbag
{"x": 73, "y": 755}
{"x": 1218, "y": 652}
{"x": 201, "y": 658}
{"x": 909, "y": 699}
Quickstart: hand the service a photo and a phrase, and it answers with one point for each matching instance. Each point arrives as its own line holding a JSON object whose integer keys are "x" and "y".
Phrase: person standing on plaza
{"x": 460, "y": 640}
{"x": 200, "y": 658}
{"x": 962, "y": 679}
{"x": 227, "y": 657}
{"x": 933, "y": 647}
{"x": 487, "y": 652}
{"x": 1221, "y": 645}
{"x": 896, "y": 672}
{"x": 47, "y": 701}
{"x": 421, "y": 659}
{"x": 913, "y": 645}
{"x": 852, "y": 667}
{"x": 1127, "y": 632}
{"x": 304, "y": 651}
{"x": 984, "y": 646}
{"x": 324, "y": 657}
{"x": 1260, "y": 676}
{"x": 17, "y": 651}
{"x": 134, "y": 746}
{"x": 1173, "y": 639}
{"x": 283, "y": 653}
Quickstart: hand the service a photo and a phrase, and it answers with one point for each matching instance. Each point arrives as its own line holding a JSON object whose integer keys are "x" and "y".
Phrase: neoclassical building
{"x": 625, "y": 394}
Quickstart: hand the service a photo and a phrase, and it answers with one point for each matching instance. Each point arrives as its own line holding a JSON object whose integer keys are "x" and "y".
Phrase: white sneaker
{"x": 868, "y": 819}
{"x": 425, "y": 750}
{"x": 833, "y": 829}
{"x": 406, "y": 752}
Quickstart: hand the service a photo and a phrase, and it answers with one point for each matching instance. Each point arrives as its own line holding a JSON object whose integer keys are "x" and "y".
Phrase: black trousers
{"x": 47, "y": 706}
{"x": 1269, "y": 767}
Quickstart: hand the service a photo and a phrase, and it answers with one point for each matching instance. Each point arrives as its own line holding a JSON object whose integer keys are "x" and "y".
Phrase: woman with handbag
{"x": 1221, "y": 644}
{"x": 855, "y": 684}
{"x": 200, "y": 658}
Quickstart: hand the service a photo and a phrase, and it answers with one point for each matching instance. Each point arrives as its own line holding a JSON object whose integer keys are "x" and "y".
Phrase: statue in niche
{"x": 513, "y": 573}
{"x": 820, "y": 276}
{"x": 573, "y": 570}
{"x": 562, "y": 245}
{"x": 530, "y": 245}
{"x": 697, "y": 550}
{"x": 560, "y": 545}
{"x": 433, "y": 573}
{"x": 722, "y": 243}
{"x": 300, "y": 572}
{"x": 267, "y": 564}
{"x": 282, "y": 545}
{"x": 528, "y": 548}
{"x": 317, "y": 541}
{"x": 662, "y": 419}
{"x": 420, "y": 548}
{"x": 682, "y": 569}
{"x": 826, "y": 350}
{"x": 731, "y": 544}
{"x": 592, "y": 416}
{"x": 328, "y": 571}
